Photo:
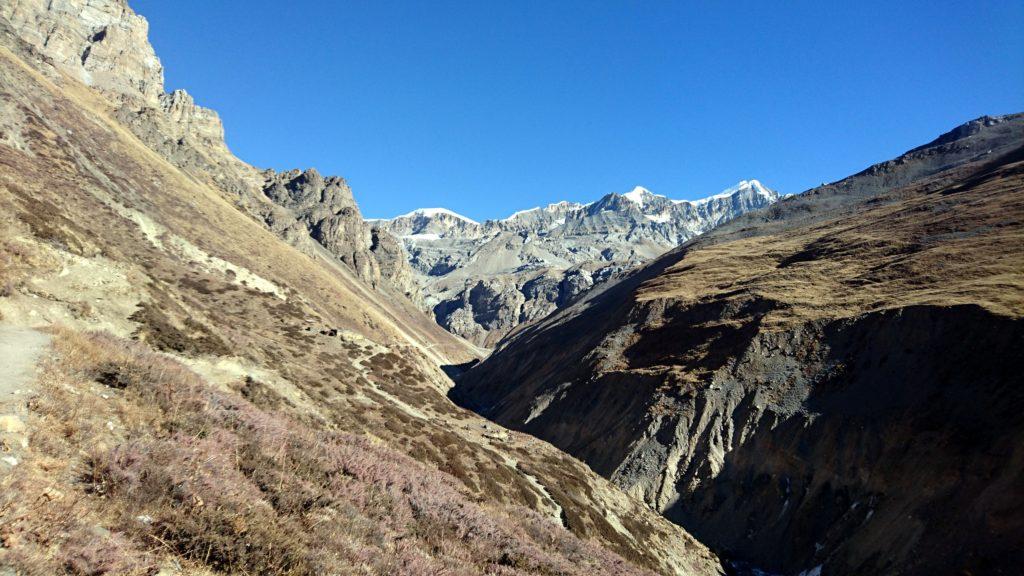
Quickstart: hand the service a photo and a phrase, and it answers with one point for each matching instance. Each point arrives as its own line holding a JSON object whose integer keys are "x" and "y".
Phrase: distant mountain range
{"x": 481, "y": 280}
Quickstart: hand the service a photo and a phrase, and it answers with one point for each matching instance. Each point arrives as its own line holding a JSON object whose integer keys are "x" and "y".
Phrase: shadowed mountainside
{"x": 830, "y": 382}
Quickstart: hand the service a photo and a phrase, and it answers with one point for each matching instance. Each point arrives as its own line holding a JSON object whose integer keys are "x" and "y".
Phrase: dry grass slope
{"x": 139, "y": 463}
{"x": 296, "y": 370}
{"x": 929, "y": 244}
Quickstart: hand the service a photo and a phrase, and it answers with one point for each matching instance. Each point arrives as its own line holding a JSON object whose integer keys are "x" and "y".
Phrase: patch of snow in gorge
{"x": 421, "y": 237}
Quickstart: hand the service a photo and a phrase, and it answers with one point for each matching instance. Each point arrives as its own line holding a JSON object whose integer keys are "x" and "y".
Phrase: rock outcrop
{"x": 104, "y": 44}
{"x": 481, "y": 281}
{"x": 827, "y": 385}
{"x": 324, "y": 209}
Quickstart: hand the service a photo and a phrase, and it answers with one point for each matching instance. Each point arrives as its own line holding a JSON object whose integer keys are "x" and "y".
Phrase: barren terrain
{"x": 221, "y": 400}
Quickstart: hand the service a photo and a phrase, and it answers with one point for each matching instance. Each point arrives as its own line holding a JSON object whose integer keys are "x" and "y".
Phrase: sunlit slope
{"x": 101, "y": 232}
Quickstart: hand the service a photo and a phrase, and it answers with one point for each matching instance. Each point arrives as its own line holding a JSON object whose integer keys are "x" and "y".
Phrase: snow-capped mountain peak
{"x": 754, "y": 186}
{"x": 425, "y": 224}
{"x": 646, "y": 201}
{"x": 432, "y": 212}
{"x": 761, "y": 190}
{"x": 521, "y": 213}
{"x": 532, "y": 261}
{"x": 638, "y": 195}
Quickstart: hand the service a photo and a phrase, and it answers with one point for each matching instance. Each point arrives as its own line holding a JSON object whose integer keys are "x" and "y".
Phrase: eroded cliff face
{"x": 324, "y": 209}
{"x": 878, "y": 444}
{"x": 104, "y": 44}
{"x": 828, "y": 383}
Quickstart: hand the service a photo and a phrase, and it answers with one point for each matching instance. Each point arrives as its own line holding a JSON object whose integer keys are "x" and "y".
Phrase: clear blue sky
{"x": 488, "y": 107}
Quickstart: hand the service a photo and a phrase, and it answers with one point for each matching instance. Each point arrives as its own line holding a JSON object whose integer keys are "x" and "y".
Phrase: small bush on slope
{"x": 169, "y": 469}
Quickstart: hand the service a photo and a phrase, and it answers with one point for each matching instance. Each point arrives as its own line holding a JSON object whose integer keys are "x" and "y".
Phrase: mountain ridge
{"x": 804, "y": 386}
{"x": 482, "y": 280}
{"x": 636, "y": 195}
{"x": 105, "y": 46}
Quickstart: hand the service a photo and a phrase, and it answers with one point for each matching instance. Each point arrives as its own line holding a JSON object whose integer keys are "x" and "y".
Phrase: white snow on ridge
{"x": 562, "y": 204}
{"x": 520, "y": 213}
{"x": 549, "y": 208}
{"x": 435, "y": 212}
{"x": 757, "y": 187}
{"x": 743, "y": 185}
{"x": 636, "y": 195}
{"x": 659, "y": 218}
{"x": 761, "y": 189}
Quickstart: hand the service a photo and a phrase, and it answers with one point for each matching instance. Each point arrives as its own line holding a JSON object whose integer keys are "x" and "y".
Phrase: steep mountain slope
{"x": 829, "y": 384}
{"x": 252, "y": 405}
{"x": 104, "y": 44}
{"x": 483, "y": 280}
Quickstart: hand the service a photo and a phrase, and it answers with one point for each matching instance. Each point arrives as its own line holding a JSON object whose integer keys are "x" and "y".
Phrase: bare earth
{"x": 20, "y": 350}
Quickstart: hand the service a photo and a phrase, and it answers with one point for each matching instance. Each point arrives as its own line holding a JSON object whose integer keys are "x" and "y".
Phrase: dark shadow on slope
{"x": 907, "y": 457}
{"x": 453, "y": 371}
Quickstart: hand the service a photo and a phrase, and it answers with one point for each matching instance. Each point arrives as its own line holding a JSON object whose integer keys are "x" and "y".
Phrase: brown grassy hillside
{"x": 219, "y": 401}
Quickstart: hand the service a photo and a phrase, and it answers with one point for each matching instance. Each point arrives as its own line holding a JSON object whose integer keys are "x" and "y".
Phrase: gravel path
{"x": 20, "y": 350}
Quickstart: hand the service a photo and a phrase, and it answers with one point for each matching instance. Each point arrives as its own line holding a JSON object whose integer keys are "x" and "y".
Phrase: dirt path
{"x": 20, "y": 351}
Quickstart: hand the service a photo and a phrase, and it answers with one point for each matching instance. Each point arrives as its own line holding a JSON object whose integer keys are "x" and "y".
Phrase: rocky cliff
{"x": 104, "y": 44}
{"x": 481, "y": 281}
{"x": 827, "y": 386}
{"x": 324, "y": 210}
{"x": 101, "y": 43}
